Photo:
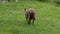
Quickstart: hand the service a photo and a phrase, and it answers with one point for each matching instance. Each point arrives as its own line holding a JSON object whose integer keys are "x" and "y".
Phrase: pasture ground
{"x": 12, "y": 20}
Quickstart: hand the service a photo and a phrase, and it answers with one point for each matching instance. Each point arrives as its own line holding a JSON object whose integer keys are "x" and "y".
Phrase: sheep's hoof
{"x": 29, "y": 23}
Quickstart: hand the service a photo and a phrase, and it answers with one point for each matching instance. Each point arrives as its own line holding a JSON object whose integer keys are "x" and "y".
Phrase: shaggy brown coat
{"x": 30, "y": 15}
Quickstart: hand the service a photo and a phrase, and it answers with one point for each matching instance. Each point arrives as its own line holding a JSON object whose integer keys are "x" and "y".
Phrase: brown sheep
{"x": 30, "y": 15}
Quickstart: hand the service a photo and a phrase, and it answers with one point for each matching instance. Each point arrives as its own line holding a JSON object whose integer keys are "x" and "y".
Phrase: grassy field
{"x": 12, "y": 20}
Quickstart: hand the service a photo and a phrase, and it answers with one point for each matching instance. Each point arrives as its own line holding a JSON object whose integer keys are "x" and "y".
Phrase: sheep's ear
{"x": 25, "y": 9}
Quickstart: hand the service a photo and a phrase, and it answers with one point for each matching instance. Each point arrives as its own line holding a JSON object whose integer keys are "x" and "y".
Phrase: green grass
{"x": 12, "y": 20}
